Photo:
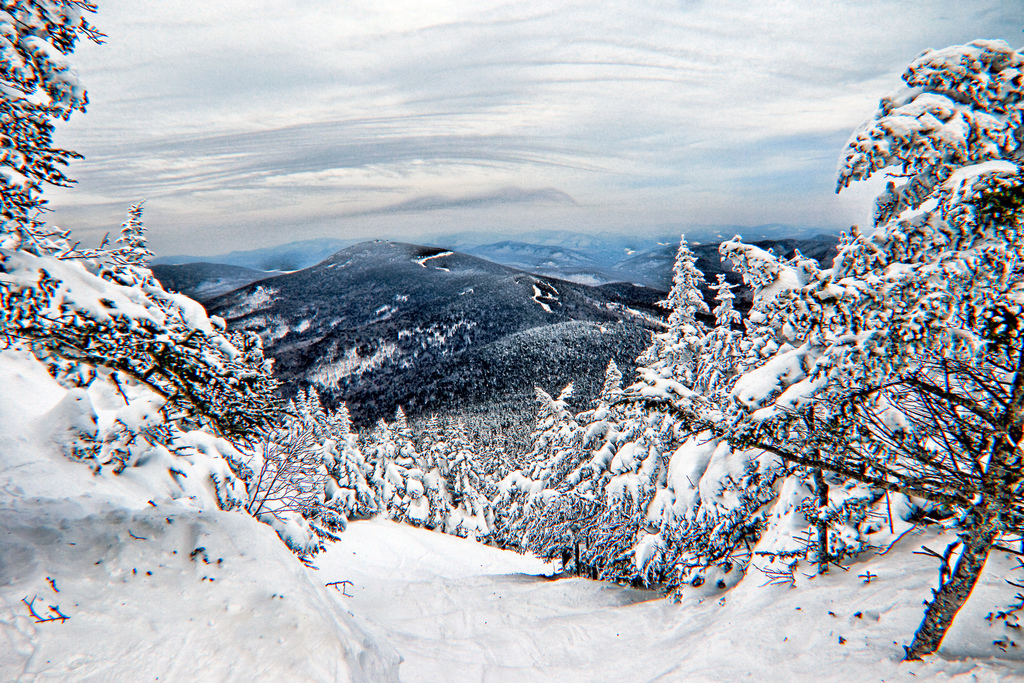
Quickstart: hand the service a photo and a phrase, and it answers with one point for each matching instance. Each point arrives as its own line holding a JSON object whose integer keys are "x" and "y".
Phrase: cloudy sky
{"x": 248, "y": 123}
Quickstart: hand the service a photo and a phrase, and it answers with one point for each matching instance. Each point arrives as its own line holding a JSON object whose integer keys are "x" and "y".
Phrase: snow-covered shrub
{"x": 285, "y": 475}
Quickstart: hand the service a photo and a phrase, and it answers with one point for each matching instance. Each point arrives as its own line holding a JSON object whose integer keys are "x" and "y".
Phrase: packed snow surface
{"x": 459, "y": 611}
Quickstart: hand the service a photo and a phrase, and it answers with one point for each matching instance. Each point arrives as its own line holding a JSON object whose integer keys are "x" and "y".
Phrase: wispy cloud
{"x": 249, "y": 118}
{"x": 502, "y": 197}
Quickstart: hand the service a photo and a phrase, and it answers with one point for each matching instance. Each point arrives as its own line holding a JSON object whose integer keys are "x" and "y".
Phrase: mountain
{"x": 383, "y": 324}
{"x": 204, "y": 281}
{"x": 284, "y": 257}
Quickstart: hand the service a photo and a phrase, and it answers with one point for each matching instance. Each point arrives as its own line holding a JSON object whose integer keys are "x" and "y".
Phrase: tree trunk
{"x": 821, "y": 489}
{"x": 952, "y": 595}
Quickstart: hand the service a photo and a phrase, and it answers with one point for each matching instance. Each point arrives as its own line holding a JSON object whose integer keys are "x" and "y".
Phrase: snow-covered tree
{"x": 718, "y": 356}
{"x": 346, "y": 490}
{"x": 685, "y": 299}
{"x": 408, "y": 487}
{"x": 37, "y": 87}
{"x": 97, "y": 309}
{"x": 901, "y": 365}
{"x": 471, "y": 513}
{"x": 133, "y": 251}
{"x": 703, "y": 523}
{"x": 673, "y": 353}
{"x": 522, "y": 492}
{"x": 285, "y": 482}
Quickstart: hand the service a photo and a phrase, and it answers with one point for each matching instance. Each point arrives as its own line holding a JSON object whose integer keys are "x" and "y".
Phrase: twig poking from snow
{"x": 137, "y": 538}
{"x": 56, "y": 615}
{"x": 120, "y": 389}
{"x": 778, "y": 577}
{"x": 53, "y": 584}
{"x": 344, "y": 587}
{"x": 897, "y": 540}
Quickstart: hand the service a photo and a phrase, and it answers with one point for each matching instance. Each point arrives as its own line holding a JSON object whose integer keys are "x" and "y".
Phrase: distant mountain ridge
{"x": 284, "y": 257}
{"x": 204, "y": 281}
{"x": 590, "y": 258}
{"x": 383, "y": 324}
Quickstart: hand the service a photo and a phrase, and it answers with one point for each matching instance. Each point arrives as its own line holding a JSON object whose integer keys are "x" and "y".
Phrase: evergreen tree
{"x": 471, "y": 513}
{"x": 551, "y": 458}
{"x": 133, "y": 251}
{"x": 718, "y": 356}
{"x": 685, "y": 299}
{"x": 103, "y": 308}
{"x": 39, "y": 87}
{"x": 900, "y": 365}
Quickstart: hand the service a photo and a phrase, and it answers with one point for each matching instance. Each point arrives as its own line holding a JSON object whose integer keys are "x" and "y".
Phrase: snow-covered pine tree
{"x": 902, "y": 365}
{"x": 348, "y": 490}
{"x": 67, "y": 303}
{"x": 407, "y": 488}
{"x": 673, "y": 354}
{"x": 565, "y": 526}
{"x": 553, "y": 455}
{"x": 406, "y": 453}
{"x": 39, "y": 87}
{"x": 134, "y": 250}
{"x": 718, "y": 355}
{"x": 685, "y": 299}
{"x": 386, "y": 479}
{"x": 471, "y": 514}
{"x": 703, "y": 523}
{"x": 95, "y": 308}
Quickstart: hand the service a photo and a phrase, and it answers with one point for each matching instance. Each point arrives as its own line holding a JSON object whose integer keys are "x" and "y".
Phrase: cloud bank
{"x": 260, "y": 122}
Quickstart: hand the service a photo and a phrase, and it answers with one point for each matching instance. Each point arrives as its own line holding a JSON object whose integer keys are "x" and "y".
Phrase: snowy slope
{"x": 173, "y": 589}
{"x": 458, "y": 611}
{"x": 157, "y": 583}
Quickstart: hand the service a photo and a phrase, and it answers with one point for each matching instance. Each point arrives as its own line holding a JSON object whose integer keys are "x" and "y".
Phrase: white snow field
{"x": 459, "y": 611}
{"x": 169, "y": 590}
{"x": 159, "y": 584}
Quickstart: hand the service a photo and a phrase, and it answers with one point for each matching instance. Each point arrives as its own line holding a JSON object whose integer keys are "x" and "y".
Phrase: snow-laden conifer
{"x": 38, "y": 87}
{"x": 104, "y": 308}
{"x": 718, "y": 356}
{"x": 471, "y": 514}
{"x": 522, "y": 492}
{"x": 900, "y": 366}
{"x": 672, "y": 355}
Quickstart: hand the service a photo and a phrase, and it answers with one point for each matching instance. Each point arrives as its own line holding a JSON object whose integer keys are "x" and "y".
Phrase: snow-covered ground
{"x": 459, "y": 611}
{"x": 158, "y": 583}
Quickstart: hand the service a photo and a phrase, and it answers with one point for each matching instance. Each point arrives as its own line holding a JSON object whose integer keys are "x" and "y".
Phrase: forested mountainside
{"x": 385, "y": 324}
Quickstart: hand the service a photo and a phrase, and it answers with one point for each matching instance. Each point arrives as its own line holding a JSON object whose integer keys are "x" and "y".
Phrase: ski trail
{"x": 457, "y": 610}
